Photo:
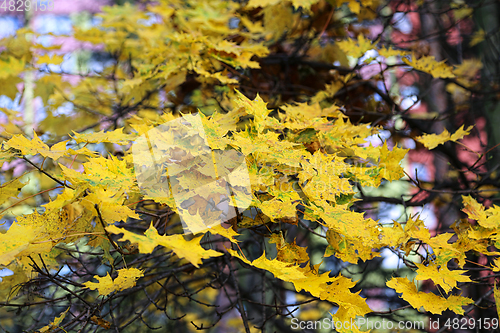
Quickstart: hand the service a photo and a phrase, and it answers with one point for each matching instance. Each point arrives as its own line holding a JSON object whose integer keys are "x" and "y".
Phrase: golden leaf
{"x": 126, "y": 279}
{"x": 431, "y": 141}
{"x": 438, "y": 69}
{"x": 356, "y": 47}
{"x": 431, "y": 302}
{"x": 442, "y": 276}
{"x": 335, "y": 289}
{"x": 55, "y": 324}
{"x": 47, "y": 59}
{"x": 190, "y": 250}
{"x": 117, "y": 136}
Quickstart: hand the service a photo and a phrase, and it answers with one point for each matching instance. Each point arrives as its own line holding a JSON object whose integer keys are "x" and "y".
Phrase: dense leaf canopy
{"x": 229, "y": 165}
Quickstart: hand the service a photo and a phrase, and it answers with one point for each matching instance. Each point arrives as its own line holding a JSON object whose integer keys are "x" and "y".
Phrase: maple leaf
{"x": 303, "y": 155}
{"x": 277, "y": 209}
{"x": 12, "y": 67}
{"x": 117, "y": 136}
{"x": 289, "y": 252}
{"x": 473, "y": 209}
{"x": 477, "y": 37}
{"x": 126, "y": 278}
{"x": 431, "y": 302}
{"x": 110, "y": 173}
{"x": 428, "y": 64}
{"x": 190, "y": 250}
{"x": 306, "y": 4}
{"x": 27, "y": 146}
{"x": 394, "y": 235}
{"x": 110, "y": 205}
{"x": 344, "y": 221}
{"x": 496, "y": 265}
{"x": 443, "y": 276}
{"x": 37, "y": 146}
{"x": 431, "y": 141}
{"x": 257, "y": 108}
{"x": 68, "y": 196}
{"x": 217, "y": 75}
{"x": 488, "y": 218}
{"x": 101, "y": 322}
{"x": 261, "y": 3}
{"x": 228, "y": 233}
{"x": 55, "y": 323}
{"x": 496, "y": 294}
{"x": 10, "y": 189}
{"x": 390, "y": 161}
{"x": 334, "y": 289}
{"x": 50, "y": 59}
{"x": 20, "y": 240}
{"x": 356, "y": 47}
{"x": 390, "y": 52}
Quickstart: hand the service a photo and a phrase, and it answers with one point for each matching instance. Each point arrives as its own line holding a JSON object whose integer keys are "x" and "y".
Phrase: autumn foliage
{"x": 303, "y": 90}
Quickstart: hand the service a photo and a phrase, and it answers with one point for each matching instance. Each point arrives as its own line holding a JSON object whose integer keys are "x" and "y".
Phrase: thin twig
{"x": 47, "y": 174}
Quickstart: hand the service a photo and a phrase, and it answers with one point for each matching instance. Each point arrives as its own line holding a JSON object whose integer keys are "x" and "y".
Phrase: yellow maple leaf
{"x": 333, "y": 289}
{"x": 37, "y": 146}
{"x": 68, "y": 196}
{"x": 390, "y": 161}
{"x": 10, "y": 189}
{"x": 496, "y": 265}
{"x": 19, "y": 241}
{"x": 56, "y": 151}
{"x": 50, "y": 59}
{"x": 305, "y": 4}
{"x": 477, "y": 37}
{"x": 11, "y": 67}
{"x": 344, "y": 221}
{"x": 27, "y": 146}
{"x": 431, "y": 302}
{"x": 289, "y": 252}
{"x": 190, "y": 250}
{"x": 117, "y": 136}
{"x": 54, "y": 324}
{"x": 257, "y": 108}
{"x": 277, "y": 209}
{"x": 466, "y": 74}
{"x": 489, "y": 218}
{"x": 431, "y": 141}
{"x": 228, "y": 233}
{"x": 394, "y": 235}
{"x": 110, "y": 205}
{"x": 215, "y": 132}
{"x": 206, "y": 73}
{"x": 497, "y": 297}
{"x": 262, "y": 3}
{"x": 356, "y": 47}
{"x": 7, "y": 156}
{"x": 473, "y": 209}
{"x": 443, "y": 276}
{"x": 390, "y": 52}
{"x": 110, "y": 173}
{"x": 126, "y": 279}
{"x": 325, "y": 183}
{"x": 438, "y": 69}
{"x": 461, "y": 10}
